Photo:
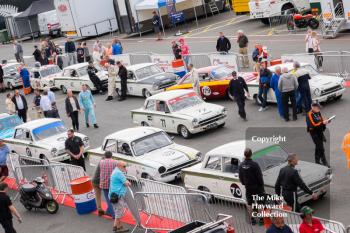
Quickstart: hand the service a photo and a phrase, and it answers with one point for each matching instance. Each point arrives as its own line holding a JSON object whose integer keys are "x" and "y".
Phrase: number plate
{"x": 212, "y": 125}
{"x": 331, "y": 96}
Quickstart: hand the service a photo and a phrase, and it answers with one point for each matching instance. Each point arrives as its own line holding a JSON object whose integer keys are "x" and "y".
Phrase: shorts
{"x": 251, "y": 192}
{"x": 156, "y": 29}
{"x": 119, "y": 208}
{"x": 4, "y": 171}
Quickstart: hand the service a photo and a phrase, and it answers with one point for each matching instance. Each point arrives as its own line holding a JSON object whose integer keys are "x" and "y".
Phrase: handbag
{"x": 114, "y": 198}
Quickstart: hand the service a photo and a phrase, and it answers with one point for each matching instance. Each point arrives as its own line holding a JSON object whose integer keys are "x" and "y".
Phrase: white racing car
{"x": 323, "y": 87}
{"x": 149, "y": 153}
{"x": 11, "y": 75}
{"x": 180, "y": 111}
{"x": 218, "y": 172}
{"x": 42, "y": 138}
{"x": 44, "y": 76}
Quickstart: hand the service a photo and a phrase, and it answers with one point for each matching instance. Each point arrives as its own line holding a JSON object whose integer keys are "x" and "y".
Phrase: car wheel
{"x": 146, "y": 93}
{"x": 265, "y": 21}
{"x": 206, "y": 192}
{"x": 64, "y": 89}
{"x": 144, "y": 123}
{"x": 10, "y": 86}
{"x": 338, "y": 97}
{"x": 184, "y": 132}
{"x": 28, "y": 152}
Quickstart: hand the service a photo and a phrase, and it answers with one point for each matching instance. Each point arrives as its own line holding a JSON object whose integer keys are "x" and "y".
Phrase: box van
{"x": 49, "y": 23}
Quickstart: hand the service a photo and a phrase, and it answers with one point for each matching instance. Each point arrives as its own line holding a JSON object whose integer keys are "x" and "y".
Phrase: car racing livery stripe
{"x": 156, "y": 114}
{"x": 118, "y": 158}
{"x": 23, "y": 143}
{"x": 264, "y": 151}
{"x": 189, "y": 156}
{"x": 202, "y": 84}
{"x": 210, "y": 176}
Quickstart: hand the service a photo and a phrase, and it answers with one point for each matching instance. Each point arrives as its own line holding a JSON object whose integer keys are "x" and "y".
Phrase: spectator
{"x": 59, "y": 61}
{"x": 274, "y": 85}
{"x": 96, "y": 185}
{"x": 264, "y": 82}
{"x": 47, "y": 54}
{"x": 87, "y": 104}
{"x": 255, "y": 56}
{"x": 18, "y": 51}
{"x": 118, "y": 188}
{"x": 36, "y": 104}
{"x": 21, "y": 105}
{"x": 37, "y": 55}
{"x": 156, "y": 21}
{"x": 45, "y": 105}
{"x": 237, "y": 89}
{"x": 278, "y": 226}
{"x": 185, "y": 52}
{"x": 123, "y": 75}
{"x": 80, "y": 53}
{"x": 73, "y": 109}
{"x": 52, "y": 98}
{"x": 69, "y": 48}
{"x": 288, "y": 85}
{"x": 308, "y": 41}
{"x": 176, "y": 50}
{"x": 97, "y": 46}
{"x": 7, "y": 210}
{"x": 4, "y": 152}
{"x": 223, "y": 44}
{"x": 303, "y": 78}
{"x": 86, "y": 52}
{"x": 242, "y": 41}
{"x": 310, "y": 224}
{"x": 92, "y": 72}
{"x": 10, "y": 106}
{"x": 117, "y": 47}
{"x": 107, "y": 165}
{"x": 109, "y": 50}
{"x": 196, "y": 85}
{"x": 75, "y": 149}
{"x": 112, "y": 76}
{"x": 251, "y": 177}
{"x": 317, "y": 50}
{"x": 25, "y": 76}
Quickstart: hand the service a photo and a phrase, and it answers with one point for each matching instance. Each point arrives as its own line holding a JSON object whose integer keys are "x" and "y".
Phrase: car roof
{"x": 139, "y": 66}
{"x": 132, "y": 134}
{"x": 77, "y": 66}
{"x": 10, "y": 64}
{"x": 37, "y": 123}
{"x": 236, "y": 149}
{"x": 168, "y": 95}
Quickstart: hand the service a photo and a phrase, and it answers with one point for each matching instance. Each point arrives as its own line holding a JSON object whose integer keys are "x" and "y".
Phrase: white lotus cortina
{"x": 42, "y": 138}
{"x": 44, "y": 76}
{"x": 323, "y": 87}
{"x": 149, "y": 153}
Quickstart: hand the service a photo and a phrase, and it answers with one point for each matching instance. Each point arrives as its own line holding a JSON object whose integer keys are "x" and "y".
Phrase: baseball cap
{"x": 306, "y": 210}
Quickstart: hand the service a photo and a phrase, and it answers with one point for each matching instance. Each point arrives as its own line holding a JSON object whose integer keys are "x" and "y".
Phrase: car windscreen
{"x": 150, "y": 143}
{"x": 221, "y": 72}
{"x": 184, "y": 101}
{"x": 49, "y": 71}
{"x": 311, "y": 70}
{"x": 270, "y": 157}
{"x": 148, "y": 71}
{"x": 9, "y": 122}
{"x": 11, "y": 69}
{"x": 49, "y": 130}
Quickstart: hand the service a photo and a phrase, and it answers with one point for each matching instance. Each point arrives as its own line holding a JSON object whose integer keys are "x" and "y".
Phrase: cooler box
{"x": 178, "y": 67}
{"x": 84, "y": 195}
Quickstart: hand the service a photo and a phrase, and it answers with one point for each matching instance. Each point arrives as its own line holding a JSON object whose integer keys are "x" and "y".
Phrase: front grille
{"x": 178, "y": 168}
{"x": 166, "y": 85}
{"x": 330, "y": 90}
{"x": 211, "y": 120}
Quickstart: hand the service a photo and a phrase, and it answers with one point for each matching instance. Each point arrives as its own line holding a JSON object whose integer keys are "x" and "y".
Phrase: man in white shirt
{"x": 45, "y": 104}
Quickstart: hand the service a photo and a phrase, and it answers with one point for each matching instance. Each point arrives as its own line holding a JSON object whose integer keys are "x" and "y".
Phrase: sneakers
{"x": 261, "y": 109}
{"x": 87, "y": 125}
{"x": 100, "y": 212}
{"x": 95, "y": 126}
{"x": 109, "y": 98}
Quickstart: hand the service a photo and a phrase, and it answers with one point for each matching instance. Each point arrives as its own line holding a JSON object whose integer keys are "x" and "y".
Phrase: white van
{"x": 49, "y": 23}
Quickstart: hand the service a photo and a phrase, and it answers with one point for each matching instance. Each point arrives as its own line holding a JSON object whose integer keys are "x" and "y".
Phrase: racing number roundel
{"x": 236, "y": 191}
{"x": 206, "y": 91}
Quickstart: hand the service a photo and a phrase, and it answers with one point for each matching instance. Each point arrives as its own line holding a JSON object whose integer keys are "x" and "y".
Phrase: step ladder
{"x": 331, "y": 26}
{"x": 213, "y": 7}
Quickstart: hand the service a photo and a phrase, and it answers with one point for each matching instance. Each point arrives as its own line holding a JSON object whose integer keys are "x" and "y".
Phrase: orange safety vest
{"x": 346, "y": 147}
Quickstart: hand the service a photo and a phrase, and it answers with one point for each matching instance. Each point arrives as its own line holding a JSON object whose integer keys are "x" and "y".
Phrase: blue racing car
{"x": 7, "y": 125}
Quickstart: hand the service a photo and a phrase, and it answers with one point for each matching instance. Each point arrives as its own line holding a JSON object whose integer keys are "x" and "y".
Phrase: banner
{"x": 302, "y": 58}
{"x": 229, "y": 60}
{"x": 123, "y": 58}
{"x": 164, "y": 61}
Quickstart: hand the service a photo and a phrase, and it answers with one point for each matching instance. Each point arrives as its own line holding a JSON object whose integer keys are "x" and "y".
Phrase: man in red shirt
{"x": 310, "y": 224}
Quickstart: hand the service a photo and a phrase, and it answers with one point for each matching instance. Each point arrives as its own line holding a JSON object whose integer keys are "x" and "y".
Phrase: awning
{"x": 152, "y": 4}
{"x": 37, "y": 7}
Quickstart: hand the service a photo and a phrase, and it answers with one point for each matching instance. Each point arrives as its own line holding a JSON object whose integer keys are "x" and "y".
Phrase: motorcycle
{"x": 37, "y": 195}
{"x": 302, "y": 21}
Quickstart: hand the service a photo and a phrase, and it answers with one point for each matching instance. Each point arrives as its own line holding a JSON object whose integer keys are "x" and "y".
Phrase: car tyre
{"x": 338, "y": 97}
{"x": 205, "y": 191}
{"x": 265, "y": 21}
{"x": 222, "y": 125}
{"x": 10, "y": 86}
{"x": 143, "y": 123}
{"x": 184, "y": 132}
{"x": 64, "y": 89}
{"x": 146, "y": 93}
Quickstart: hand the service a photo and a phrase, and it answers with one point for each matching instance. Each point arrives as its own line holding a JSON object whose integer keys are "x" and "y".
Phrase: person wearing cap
{"x": 309, "y": 224}
{"x": 242, "y": 41}
{"x": 237, "y": 88}
{"x": 278, "y": 226}
{"x": 288, "y": 182}
{"x": 156, "y": 21}
{"x": 92, "y": 72}
{"x": 316, "y": 125}
{"x": 112, "y": 76}
{"x": 185, "y": 52}
{"x": 223, "y": 44}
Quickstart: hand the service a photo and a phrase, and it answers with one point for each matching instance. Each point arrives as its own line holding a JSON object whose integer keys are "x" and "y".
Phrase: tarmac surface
{"x": 113, "y": 116}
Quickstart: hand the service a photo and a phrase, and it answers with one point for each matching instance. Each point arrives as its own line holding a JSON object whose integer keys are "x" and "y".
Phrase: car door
{"x": 131, "y": 84}
{"x": 163, "y": 118}
{"x": 22, "y": 142}
{"x": 150, "y": 111}
{"x": 209, "y": 180}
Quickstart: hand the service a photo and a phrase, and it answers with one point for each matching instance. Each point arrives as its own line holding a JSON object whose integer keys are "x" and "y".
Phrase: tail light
{"x": 49, "y": 26}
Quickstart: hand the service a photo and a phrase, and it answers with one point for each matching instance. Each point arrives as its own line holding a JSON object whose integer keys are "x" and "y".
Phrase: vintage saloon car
{"x": 323, "y": 87}
{"x": 214, "y": 81}
{"x": 219, "y": 170}
{"x": 147, "y": 79}
{"x": 44, "y": 76}
{"x": 7, "y": 124}
{"x": 11, "y": 75}
{"x": 149, "y": 153}
{"x": 42, "y": 138}
{"x": 74, "y": 76}
{"x": 180, "y": 111}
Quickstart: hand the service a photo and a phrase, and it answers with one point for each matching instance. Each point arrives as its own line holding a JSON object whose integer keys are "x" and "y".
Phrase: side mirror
{"x": 167, "y": 111}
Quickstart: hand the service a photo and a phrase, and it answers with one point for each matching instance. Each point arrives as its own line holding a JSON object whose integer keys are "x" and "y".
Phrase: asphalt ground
{"x": 113, "y": 116}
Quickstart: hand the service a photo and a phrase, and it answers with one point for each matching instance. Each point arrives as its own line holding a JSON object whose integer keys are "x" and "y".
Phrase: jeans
{"x": 263, "y": 95}
{"x": 75, "y": 120}
{"x": 305, "y": 96}
{"x": 240, "y": 100}
{"x": 90, "y": 113}
{"x": 186, "y": 59}
{"x": 110, "y": 210}
{"x": 286, "y": 97}
{"x": 71, "y": 59}
{"x": 318, "y": 139}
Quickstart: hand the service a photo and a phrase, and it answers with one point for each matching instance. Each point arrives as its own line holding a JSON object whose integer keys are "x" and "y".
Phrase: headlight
{"x": 199, "y": 156}
{"x": 317, "y": 91}
{"x": 343, "y": 83}
{"x": 195, "y": 121}
{"x": 54, "y": 152}
{"x": 155, "y": 86}
{"x": 329, "y": 173}
{"x": 224, "y": 111}
{"x": 86, "y": 141}
{"x": 161, "y": 170}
